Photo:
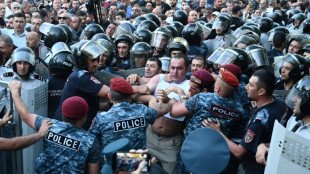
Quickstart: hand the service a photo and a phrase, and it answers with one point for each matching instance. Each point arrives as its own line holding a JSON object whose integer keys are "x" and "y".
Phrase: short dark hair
{"x": 122, "y": 14}
{"x": 200, "y": 57}
{"x": 119, "y": 97}
{"x": 153, "y": 5}
{"x": 19, "y": 15}
{"x": 283, "y": 3}
{"x": 29, "y": 14}
{"x": 184, "y": 57}
{"x": 266, "y": 80}
{"x": 81, "y": 13}
{"x": 122, "y": 8}
{"x": 155, "y": 59}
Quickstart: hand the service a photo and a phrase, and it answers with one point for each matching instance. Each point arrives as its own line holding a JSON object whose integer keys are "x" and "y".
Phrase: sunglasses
{"x": 195, "y": 80}
{"x": 62, "y": 18}
{"x": 64, "y": 8}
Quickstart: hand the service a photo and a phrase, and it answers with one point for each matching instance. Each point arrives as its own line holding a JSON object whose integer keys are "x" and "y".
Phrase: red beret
{"x": 74, "y": 108}
{"x": 204, "y": 76}
{"x": 121, "y": 85}
{"x": 233, "y": 69}
{"x": 228, "y": 77}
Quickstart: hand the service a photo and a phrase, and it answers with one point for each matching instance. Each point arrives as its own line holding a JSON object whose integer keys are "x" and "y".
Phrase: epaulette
{"x": 36, "y": 76}
{"x": 8, "y": 74}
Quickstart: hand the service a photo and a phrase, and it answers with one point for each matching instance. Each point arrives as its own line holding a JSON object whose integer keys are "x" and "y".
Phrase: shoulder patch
{"x": 219, "y": 110}
{"x": 8, "y": 74}
{"x": 36, "y": 76}
{"x": 249, "y": 136}
{"x": 81, "y": 72}
{"x": 262, "y": 116}
{"x": 92, "y": 78}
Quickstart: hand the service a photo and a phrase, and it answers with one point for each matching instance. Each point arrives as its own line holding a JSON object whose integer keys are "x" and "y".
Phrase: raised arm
{"x": 21, "y": 108}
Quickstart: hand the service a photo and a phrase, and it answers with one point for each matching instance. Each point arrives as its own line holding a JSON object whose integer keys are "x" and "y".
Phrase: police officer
{"x": 81, "y": 81}
{"x": 217, "y": 105}
{"x": 295, "y": 27}
{"x": 71, "y": 148}
{"x": 60, "y": 67}
{"x": 298, "y": 99}
{"x": 259, "y": 130}
{"x": 160, "y": 39}
{"x": 176, "y": 46}
{"x": 139, "y": 53}
{"x": 265, "y": 25}
{"x": 193, "y": 33}
{"x": 293, "y": 68}
{"x": 123, "y": 44}
{"x": 223, "y": 38}
{"x": 125, "y": 120}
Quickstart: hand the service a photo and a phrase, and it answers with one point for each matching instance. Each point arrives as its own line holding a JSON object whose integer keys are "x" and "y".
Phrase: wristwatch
{"x": 184, "y": 97}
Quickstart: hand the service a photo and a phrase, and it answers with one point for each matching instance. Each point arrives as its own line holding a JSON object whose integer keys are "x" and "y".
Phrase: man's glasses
{"x": 195, "y": 80}
{"x": 62, "y": 18}
{"x": 64, "y": 8}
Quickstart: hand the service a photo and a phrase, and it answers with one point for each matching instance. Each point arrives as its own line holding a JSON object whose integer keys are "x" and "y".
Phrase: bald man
{"x": 192, "y": 16}
{"x": 33, "y": 42}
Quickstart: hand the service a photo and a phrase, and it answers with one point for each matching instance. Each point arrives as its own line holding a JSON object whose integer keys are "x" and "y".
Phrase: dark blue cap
{"x": 205, "y": 151}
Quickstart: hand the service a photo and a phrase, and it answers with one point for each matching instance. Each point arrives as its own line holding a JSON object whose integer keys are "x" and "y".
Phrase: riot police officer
{"x": 139, "y": 53}
{"x": 123, "y": 44}
{"x": 81, "y": 81}
{"x": 265, "y": 25}
{"x": 160, "y": 39}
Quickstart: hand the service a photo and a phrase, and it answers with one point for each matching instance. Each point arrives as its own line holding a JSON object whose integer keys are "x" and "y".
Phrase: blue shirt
{"x": 18, "y": 40}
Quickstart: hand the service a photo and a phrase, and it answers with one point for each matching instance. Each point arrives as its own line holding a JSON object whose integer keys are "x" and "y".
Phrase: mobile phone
{"x": 129, "y": 162}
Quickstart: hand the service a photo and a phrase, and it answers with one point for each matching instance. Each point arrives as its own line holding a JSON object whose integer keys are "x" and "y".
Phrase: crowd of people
{"x": 205, "y": 63}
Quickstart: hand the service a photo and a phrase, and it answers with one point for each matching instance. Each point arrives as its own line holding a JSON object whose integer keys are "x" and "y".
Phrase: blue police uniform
{"x": 55, "y": 87}
{"x": 280, "y": 84}
{"x": 81, "y": 83}
{"x": 67, "y": 149}
{"x": 123, "y": 65}
{"x": 259, "y": 131}
{"x": 210, "y": 105}
{"x": 124, "y": 120}
{"x": 196, "y": 50}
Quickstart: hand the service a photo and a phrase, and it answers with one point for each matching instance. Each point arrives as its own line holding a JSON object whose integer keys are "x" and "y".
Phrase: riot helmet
{"x": 181, "y": 16}
{"x": 244, "y": 41}
{"x": 92, "y": 29}
{"x": 300, "y": 17}
{"x": 142, "y": 35}
{"x": 265, "y": 24}
{"x": 84, "y": 50}
{"x": 299, "y": 98}
{"x": 306, "y": 26}
{"x": 139, "y": 54}
{"x": 160, "y": 38}
{"x": 292, "y": 12}
{"x": 179, "y": 26}
{"x": 221, "y": 24}
{"x": 138, "y": 20}
{"x": 68, "y": 31}
{"x": 101, "y": 36}
{"x": 300, "y": 38}
{"x": 23, "y": 54}
{"x": 165, "y": 61}
{"x": 178, "y": 43}
{"x": 62, "y": 62}
{"x": 153, "y": 17}
{"x": 242, "y": 31}
{"x": 258, "y": 56}
{"x": 147, "y": 24}
{"x": 276, "y": 17}
{"x": 256, "y": 29}
{"x": 206, "y": 31}
{"x": 250, "y": 24}
{"x": 234, "y": 56}
{"x": 277, "y": 29}
{"x": 193, "y": 34}
{"x": 215, "y": 55}
{"x": 124, "y": 38}
{"x": 306, "y": 50}
{"x": 123, "y": 28}
{"x": 106, "y": 58}
{"x": 173, "y": 30}
{"x": 55, "y": 34}
{"x": 297, "y": 64}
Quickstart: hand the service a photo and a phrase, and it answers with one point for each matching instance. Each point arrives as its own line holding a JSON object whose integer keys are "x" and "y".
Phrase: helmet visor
{"x": 165, "y": 61}
{"x": 60, "y": 47}
{"x": 45, "y": 28}
{"x": 23, "y": 56}
{"x": 159, "y": 40}
{"x": 258, "y": 57}
{"x": 227, "y": 57}
{"x": 295, "y": 99}
{"x": 215, "y": 55}
{"x": 219, "y": 25}
{"x": 92, "y": 49}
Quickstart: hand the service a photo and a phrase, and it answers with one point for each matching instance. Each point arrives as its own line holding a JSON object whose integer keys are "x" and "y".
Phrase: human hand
{"x": 15, "y": 86}
{"x": 45, "y": 125}
{"x": 142, "y": 163}
{"x": 167, "y": 78}
{"x": 162, "y": 96}
{"x": 262, "y": 151}
{"x": 153, "y": 102}
{"x": 6, "y": 118}
{"x": 132, "y": 78}
{"x": 174, "y": 89}
{"x": 209, "y": 123}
